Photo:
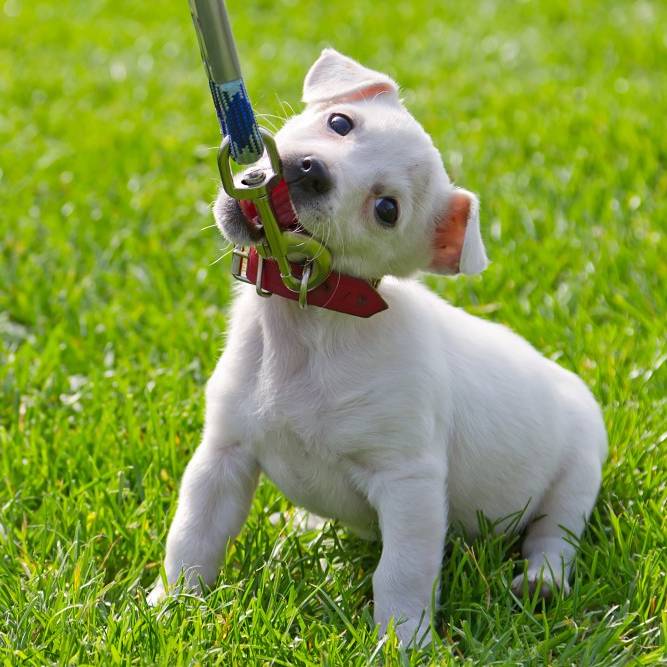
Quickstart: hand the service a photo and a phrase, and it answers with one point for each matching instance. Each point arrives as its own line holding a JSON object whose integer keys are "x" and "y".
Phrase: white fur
{"x": 473, "y": 256}
{"x": 335, "y": 76}
{"x": 403, "y": 423}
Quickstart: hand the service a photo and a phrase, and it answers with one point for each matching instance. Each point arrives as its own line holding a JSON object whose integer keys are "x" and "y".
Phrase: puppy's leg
{"x": 562, "y": 514}
{"x": 213, "y": 503}
{"x": 412, "y": 515}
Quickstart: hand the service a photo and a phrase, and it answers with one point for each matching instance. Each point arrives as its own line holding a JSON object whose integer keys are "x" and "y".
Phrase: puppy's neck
{"x": 313, "y": 329}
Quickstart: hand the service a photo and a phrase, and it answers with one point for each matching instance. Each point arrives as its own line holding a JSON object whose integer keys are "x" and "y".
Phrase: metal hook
{"x": 283, "y": 246}
{"x": 303, "y": 289}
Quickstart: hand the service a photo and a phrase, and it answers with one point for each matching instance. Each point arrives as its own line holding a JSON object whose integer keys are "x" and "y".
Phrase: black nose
{"x": 309, "y": 174}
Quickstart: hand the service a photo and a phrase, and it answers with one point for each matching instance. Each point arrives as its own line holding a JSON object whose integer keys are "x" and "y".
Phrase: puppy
{"x": 402, "y": 423}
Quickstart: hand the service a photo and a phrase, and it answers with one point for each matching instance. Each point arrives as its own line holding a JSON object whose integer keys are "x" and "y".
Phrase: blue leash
{"x": 232, "y": 105}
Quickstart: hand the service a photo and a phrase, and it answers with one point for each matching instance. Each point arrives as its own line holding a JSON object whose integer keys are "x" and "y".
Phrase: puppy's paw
{"x": 541, "y": 579}
{"x": 157, "y": 595}
{"x": 301, "y": 520}
{"x": 414, "y": 633}
{"x": 190, "y": 584}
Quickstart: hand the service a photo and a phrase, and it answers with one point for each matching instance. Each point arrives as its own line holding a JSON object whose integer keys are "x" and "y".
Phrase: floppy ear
{"x": 457, "y": 242}
{"x": 336, "y": 78}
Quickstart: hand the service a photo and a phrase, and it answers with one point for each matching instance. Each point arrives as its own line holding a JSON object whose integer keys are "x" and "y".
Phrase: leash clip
{"x": 281, "y": 245}
{"x": 303, "y": 289}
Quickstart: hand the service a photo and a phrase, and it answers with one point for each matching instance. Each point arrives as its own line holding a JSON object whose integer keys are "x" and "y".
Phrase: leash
{"x": 286, "y": 261}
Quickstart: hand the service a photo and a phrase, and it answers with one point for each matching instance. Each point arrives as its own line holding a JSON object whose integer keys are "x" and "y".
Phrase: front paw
{"x": 157, "y": 595}
{"x": 412, "y": 633}
{"x": 542, "y": 579}
{"x": 187, "y": 583}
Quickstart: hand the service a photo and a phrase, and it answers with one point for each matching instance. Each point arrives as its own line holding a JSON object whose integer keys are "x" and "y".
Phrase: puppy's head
{"x": 366, "y": 180}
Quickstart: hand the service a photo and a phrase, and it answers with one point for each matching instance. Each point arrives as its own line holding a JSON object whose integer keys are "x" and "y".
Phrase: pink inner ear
{"x": 369, "y": 92}
{"x": 449, "y": 235}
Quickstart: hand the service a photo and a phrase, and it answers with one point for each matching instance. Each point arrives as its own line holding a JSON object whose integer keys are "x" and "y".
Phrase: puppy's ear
{"x": 337, "y": 78}
{"x": 457, "y": 242}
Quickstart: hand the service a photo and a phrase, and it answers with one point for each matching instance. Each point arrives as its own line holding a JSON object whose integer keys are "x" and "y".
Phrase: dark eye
{"x": 340, "y": 124}
{"x": 386, "y": 211}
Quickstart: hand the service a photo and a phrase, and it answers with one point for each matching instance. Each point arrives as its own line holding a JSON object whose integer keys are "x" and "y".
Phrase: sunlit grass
{"x": 112, "y": 314}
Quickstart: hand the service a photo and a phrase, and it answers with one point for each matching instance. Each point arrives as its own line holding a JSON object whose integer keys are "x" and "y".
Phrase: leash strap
{"x": 232, "y": 105}
{"x": 237, "y": 120}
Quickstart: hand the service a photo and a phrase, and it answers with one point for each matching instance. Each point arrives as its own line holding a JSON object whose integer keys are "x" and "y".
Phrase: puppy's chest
{"x": 313, "y": 407}
{"x": 303, "y": 420}
{"x": 307, "y": 465}
{"x": 303, "y": 443}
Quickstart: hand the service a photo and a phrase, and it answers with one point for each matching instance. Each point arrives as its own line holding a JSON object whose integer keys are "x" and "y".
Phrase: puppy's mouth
{"x": 237, "y": 228}
{"x": 234, "y": 225}
{"x": 309, "y": 181}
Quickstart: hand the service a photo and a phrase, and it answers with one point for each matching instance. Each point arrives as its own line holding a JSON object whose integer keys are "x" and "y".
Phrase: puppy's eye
{"x": 386, "y": 211}
{"x": 340, "y": 123}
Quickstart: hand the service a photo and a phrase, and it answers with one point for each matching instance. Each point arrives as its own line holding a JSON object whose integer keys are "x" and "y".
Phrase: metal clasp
{"x": 283, "y": 246}
{"x": 240, "y": 258}
{"x": 258, "y": 280}
{"x": 303, "y": 289}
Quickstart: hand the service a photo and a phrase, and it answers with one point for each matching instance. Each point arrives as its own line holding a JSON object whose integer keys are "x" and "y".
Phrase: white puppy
{"x": 405, "y": 422}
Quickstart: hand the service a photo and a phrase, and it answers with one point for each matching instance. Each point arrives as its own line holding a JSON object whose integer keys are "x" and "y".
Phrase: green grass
{"x": 112, "y": 314}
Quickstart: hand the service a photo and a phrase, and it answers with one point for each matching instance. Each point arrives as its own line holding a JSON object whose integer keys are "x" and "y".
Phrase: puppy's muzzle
{"x": 307, "y": 176}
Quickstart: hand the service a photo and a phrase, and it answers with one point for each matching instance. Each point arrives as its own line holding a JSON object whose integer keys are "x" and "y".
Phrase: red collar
{"x": 339, "y": 292}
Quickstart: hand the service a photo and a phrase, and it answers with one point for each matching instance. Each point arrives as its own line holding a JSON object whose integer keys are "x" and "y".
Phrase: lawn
{"x": 113, "y": 312}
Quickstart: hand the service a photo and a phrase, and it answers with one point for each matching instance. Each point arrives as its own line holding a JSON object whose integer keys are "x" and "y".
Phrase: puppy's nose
{"x": 310, "y": 174}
